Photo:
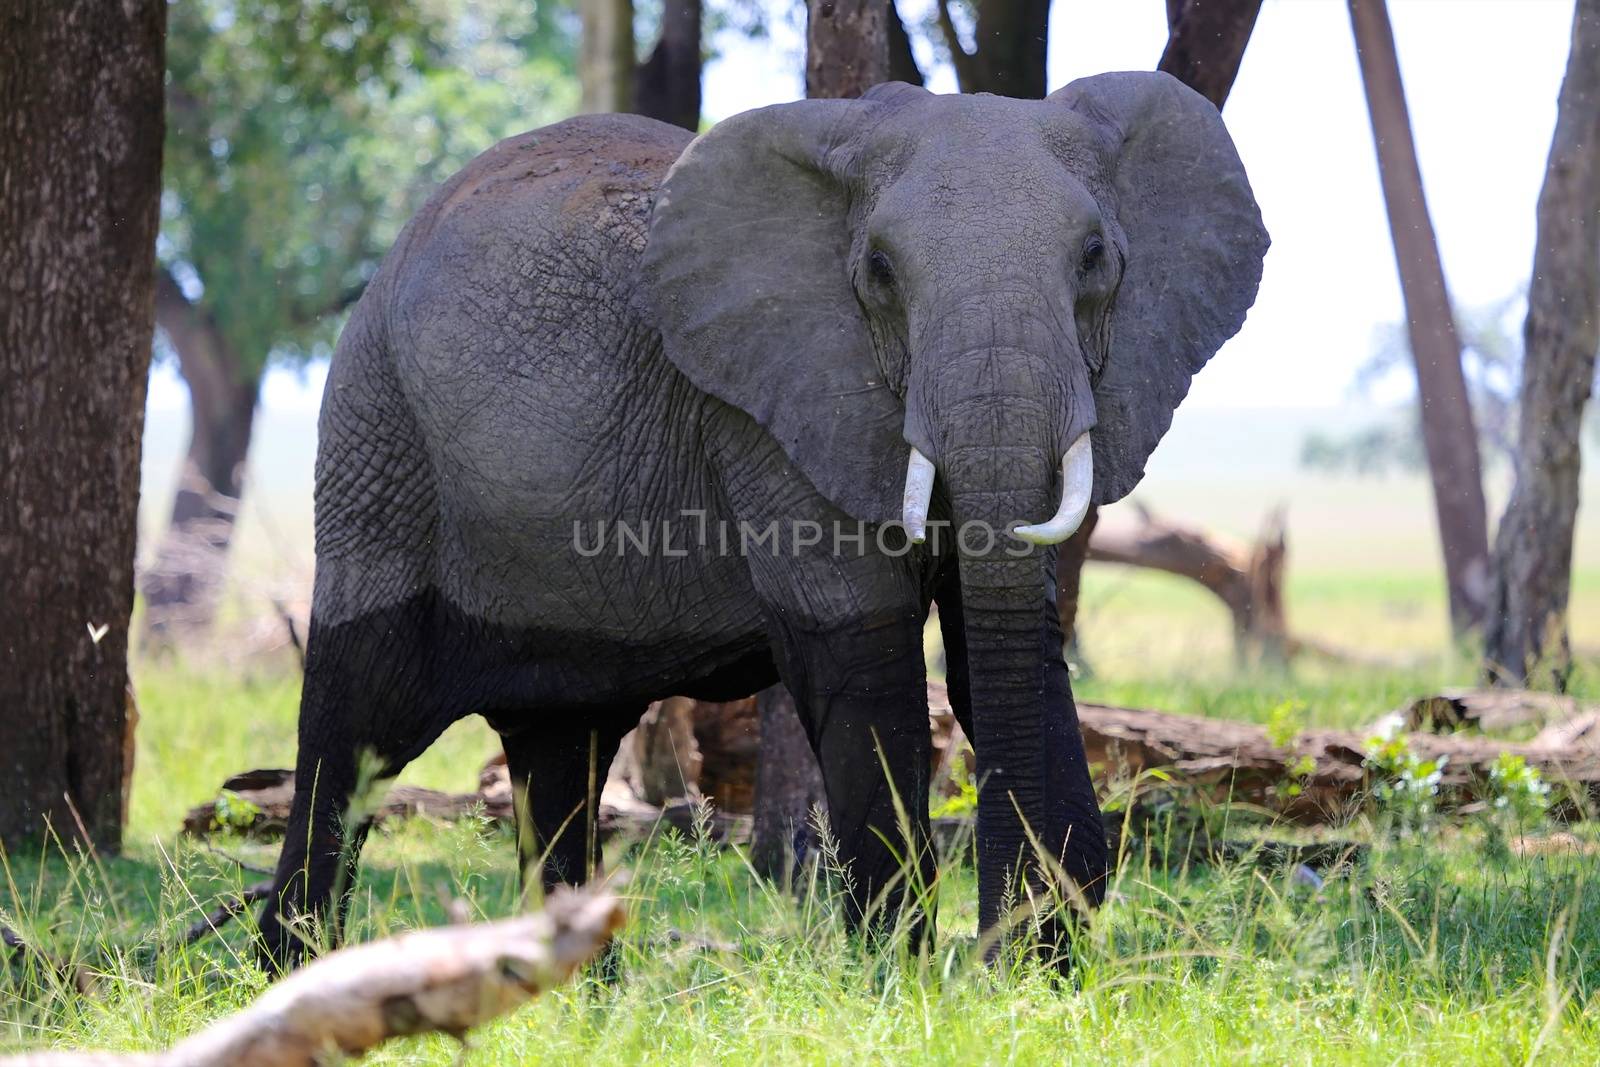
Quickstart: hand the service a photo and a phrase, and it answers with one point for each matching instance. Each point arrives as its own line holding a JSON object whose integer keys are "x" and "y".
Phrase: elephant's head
{"x": 1014, "y": 294}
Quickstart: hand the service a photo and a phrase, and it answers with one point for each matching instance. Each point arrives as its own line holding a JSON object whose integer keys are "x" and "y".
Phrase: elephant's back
{"x": 529, "y": 218}
{"x": 513, "y": 305}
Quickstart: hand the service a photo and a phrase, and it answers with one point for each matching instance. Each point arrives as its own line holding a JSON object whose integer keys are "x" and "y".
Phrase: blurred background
{"x": 289, "y": 169}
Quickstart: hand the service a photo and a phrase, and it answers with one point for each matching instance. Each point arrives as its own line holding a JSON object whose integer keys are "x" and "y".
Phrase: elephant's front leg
{"x": 847, "y": 635}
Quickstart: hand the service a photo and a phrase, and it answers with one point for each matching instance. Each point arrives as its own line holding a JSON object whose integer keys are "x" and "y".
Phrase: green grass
{"x": 1443, "y": 948}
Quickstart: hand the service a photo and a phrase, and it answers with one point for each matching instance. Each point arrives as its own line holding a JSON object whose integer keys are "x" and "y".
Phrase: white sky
{"x": 1481, "y": 79}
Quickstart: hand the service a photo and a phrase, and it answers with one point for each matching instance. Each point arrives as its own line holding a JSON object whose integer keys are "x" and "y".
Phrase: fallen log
{"x": 1320, "y": 777}
{"x": 1486, "y": 710}
{"x": 446, "y": 980}
{"x": 1328, "y": 770}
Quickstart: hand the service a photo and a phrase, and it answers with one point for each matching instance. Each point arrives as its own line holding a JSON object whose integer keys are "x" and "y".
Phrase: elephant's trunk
{"x": 1003, "y": 416}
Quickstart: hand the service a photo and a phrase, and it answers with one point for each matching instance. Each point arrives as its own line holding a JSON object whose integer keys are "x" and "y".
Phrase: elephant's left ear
{"x": 747, "y": 276}
{"x": 1195, "y": 245}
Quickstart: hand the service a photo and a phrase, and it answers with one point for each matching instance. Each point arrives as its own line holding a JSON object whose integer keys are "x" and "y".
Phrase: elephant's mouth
{"x": 1077, "y": 489}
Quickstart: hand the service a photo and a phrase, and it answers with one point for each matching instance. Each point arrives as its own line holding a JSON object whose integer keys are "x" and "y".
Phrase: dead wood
{"x": 1248, "y": 579}
{"x": 1486, "y": 710}
{"x": 445, "y": 980}
{"x": 1237, "y": 761}
{"x": 223, "y": 913}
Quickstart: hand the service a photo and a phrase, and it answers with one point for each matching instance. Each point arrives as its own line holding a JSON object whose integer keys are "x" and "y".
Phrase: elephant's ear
{"x": 1195, "y": 243}
{"x": 747, "y": 276}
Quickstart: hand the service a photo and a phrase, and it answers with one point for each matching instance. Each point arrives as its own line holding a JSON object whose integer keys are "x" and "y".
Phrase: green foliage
{"x": 302, "y": 135}
{"x": 1405, "y": 785}
{"x": 1519, "y": 794}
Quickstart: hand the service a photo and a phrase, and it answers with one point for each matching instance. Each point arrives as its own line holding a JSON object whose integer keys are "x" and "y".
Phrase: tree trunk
{"x": 847, "y": 52}
{"x": 1010, "y": 39}
{"x": 1448, "y": 430}
{"x": 605, "y": 57}
{"x": 1070, "y": 558}
{"x": 1527, "y": 624}
{"x": 1206, "y": 40}
{"x": 667, "y": 85}
{"x": 788, "y": 787}
{"x": 182, "y": 583}
{"x": 1205, "y": 43}
{"x": 81, "y": 127}
{"x": 847, "y": 47}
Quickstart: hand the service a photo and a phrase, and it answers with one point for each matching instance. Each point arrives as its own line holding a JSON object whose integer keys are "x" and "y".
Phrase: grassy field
{"x": 1441, "y": 948}
{"x": 1447, "y": 946}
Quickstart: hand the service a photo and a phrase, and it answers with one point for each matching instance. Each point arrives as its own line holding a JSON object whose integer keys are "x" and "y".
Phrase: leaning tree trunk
{"x": 182, "y": 583}
{"x": 605, "y": 55}
{"x": 1448, "y": 430}
{"x": 1205, "y": 43}
{"x": 1527, "y": 627}
{"x": 80, "y": 182}
{"x": 847, "y": 52}
{"x": 1206, "y": 40}
{"x": 667, "y": 85}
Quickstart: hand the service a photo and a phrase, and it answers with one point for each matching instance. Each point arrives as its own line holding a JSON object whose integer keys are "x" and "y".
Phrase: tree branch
{"x": 960, "y": 58}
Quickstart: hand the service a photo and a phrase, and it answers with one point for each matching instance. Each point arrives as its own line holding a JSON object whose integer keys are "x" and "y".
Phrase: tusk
{"x": 1077, "y": 487}
{"x": 919, "y": 490}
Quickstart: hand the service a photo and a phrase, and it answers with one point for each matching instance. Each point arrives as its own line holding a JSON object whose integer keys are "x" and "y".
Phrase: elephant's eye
{"x": 881, "y": 269}
{"x": 1094, "y": 250}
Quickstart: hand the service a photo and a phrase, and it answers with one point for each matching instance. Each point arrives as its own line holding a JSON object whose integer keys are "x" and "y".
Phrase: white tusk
{"x": 919, "y": 490}
{"x": 1077, "y": 487}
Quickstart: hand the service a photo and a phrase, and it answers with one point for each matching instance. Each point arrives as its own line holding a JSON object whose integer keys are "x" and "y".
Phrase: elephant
{"x": 625, "y": 414}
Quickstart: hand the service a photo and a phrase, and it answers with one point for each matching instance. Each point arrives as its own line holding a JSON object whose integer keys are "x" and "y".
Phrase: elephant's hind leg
{"x": 374, "y": 698}
{"x": 386, "y": 663}
{"x": 558, "y": 764}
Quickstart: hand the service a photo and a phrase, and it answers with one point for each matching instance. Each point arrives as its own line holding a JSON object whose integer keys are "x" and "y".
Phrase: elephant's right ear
{"x": 747, "y": 276}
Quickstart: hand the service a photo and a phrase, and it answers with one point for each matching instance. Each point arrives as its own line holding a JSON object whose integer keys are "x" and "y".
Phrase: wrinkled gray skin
{"x": 590, "y": 323}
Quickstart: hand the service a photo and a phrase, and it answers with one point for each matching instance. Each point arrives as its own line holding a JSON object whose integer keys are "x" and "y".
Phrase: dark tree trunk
{"x": 182, "y": 583}
{"x": 847, "y": 47}
{"x": 788, "y": 787}
{"x": 1205, "y": 43}
{"x": 666, "y": 86}
{"x": 1205, "y": 46}
{"x": 1010, "y": 39}
{"x": 1448, "y": 430}
{"x": 1526, "y": 635}
{"x": 847, "y": 52}
{"x": 1070, "y": 558}
{"x": 80, "y": 182}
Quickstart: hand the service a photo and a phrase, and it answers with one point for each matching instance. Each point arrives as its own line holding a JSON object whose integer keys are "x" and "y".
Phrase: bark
{"x": 445, "y": 980}
{"x": 1449, "y": 434}
{"x": 605, "y": 55}
{"x": 1070, "y": 558}
{"x": 666, "y": 86}
{"x": 1238, "y": 762}
{"x": 1205, "y": 43}
{"x": 183, "y": 582}
{"x": 1526, "y": 635}
{"x": 1011, "y": 38}
{"x": 81, "y": 126}
{"x": 847, "y": 47}
{"x": 788, "y": 788}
